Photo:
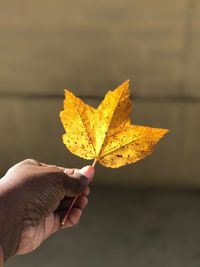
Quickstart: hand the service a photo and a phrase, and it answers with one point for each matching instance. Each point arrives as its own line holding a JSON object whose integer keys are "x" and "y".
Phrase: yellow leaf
{"x": 129, "y": 145}
{"x": 106, "y": 133}
{"x": 77, "y": 124}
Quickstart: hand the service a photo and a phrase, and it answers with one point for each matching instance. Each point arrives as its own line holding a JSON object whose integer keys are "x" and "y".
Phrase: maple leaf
{"x": 106, "y": 133}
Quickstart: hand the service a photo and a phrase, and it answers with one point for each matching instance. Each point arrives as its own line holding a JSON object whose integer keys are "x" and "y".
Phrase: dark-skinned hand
{"x": 34, "y": 199}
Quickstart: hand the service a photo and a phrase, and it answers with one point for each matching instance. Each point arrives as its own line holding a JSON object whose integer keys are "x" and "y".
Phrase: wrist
{"x": 9, "y": 220}
{"x": 1, "y": 257}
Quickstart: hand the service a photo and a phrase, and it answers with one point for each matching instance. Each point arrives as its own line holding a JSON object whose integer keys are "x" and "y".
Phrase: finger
{"x": 62, "y": 209}
{"x": 86, "y": 191}
{"x": 73, "y": 185}
{"x": 73, "y": 218}
{"x": 69, "y": 171}
{"x": 76, "y": 179}
{"x": 81, "y": 178}
{"x": 87, "y": 171}
{"x": 73, "y": 181}
{"x": 81, "y": 202}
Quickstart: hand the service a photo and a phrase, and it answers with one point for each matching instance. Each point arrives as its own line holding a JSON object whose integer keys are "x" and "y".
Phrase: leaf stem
{"x": 94, "y": 162}
{"x": 74, "y": 200}
{"x": 69, "y": 209}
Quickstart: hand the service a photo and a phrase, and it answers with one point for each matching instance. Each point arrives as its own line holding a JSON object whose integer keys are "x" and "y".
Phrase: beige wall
{"x": 90, "y": 47}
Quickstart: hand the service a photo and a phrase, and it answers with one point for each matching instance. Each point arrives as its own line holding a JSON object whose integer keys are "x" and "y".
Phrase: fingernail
{"x": 87, "y": 171}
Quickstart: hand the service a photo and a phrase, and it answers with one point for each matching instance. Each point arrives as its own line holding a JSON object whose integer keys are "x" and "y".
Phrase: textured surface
{"x": 127, "y": 228}
{"x": 92, "y": 45}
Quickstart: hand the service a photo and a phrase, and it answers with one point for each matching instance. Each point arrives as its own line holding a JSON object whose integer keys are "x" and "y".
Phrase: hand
{"x": 34, "y": 198}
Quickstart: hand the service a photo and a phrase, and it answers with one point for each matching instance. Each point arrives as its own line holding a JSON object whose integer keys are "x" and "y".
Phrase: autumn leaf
{"x": 106, "y": 133}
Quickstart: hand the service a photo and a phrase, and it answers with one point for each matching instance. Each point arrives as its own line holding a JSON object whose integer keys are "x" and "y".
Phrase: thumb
{"x": 76, "y": 180}
{"x": 88, "y": 172}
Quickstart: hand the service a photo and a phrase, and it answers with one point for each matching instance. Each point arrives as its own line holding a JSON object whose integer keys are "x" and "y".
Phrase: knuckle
{"x": 82, "y": 183}
{"x": 74, "y": 184}
{"x": 69, "y": 171}
{"x": 31, "y": 161}
{"x": 78, "y": 185}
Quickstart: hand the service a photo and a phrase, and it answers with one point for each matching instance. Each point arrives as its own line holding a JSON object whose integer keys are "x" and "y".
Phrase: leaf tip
{"x": 66, "y": 91}
{"x": 165, "y": 131}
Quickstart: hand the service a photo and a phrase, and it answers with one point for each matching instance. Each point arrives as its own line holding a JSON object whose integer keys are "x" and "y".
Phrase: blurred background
{"x": 146, "y": 214}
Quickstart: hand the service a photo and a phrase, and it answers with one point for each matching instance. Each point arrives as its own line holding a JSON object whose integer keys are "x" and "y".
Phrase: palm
{"x": 33, "y": 236}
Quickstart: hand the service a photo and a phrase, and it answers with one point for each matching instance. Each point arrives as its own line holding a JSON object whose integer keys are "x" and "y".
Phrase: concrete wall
{"x": 90, "y": 47}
